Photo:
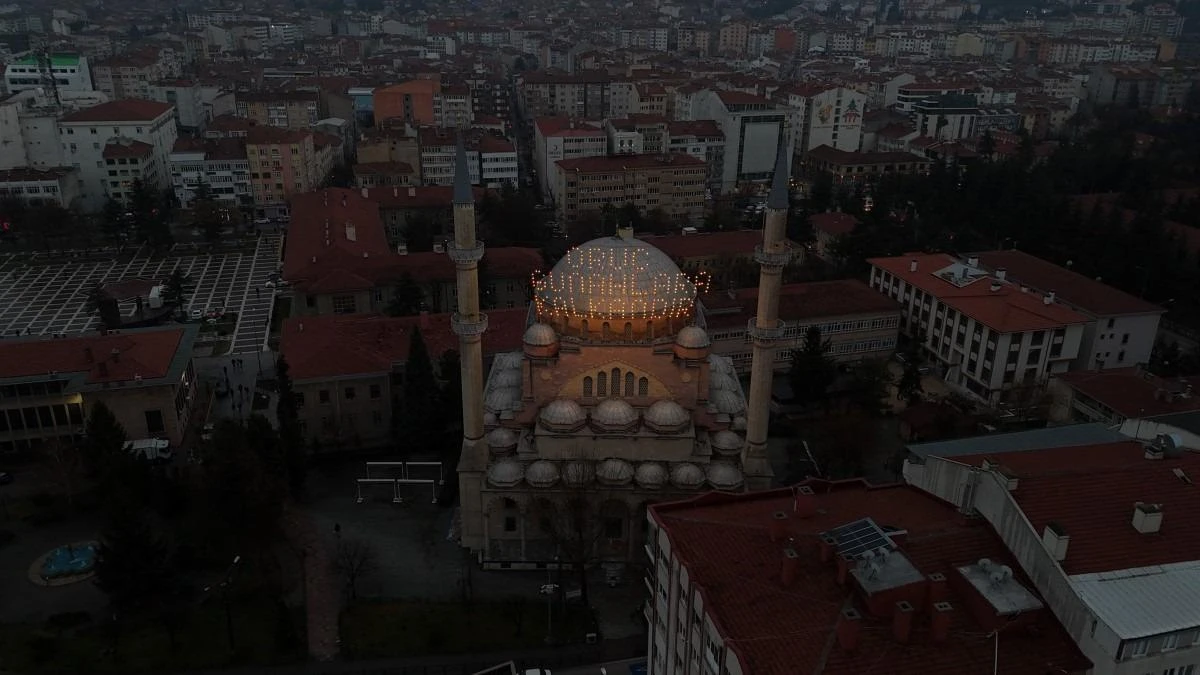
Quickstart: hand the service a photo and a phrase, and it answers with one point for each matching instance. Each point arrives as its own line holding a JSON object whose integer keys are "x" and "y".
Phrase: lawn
{"x": 398, "y": 628}
{"x": 263, "y": 635}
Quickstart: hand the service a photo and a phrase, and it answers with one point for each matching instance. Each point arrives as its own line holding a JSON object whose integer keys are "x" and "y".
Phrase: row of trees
{"x": 144, "y": 218}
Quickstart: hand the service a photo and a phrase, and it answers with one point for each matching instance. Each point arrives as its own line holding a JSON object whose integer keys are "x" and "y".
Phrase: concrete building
{"x": 492, "y": 160}
{"x": 36, "y": 187}
{"x": 859, "y": 167}
{"x": 133, "y": 74}
{"x": 1116, "y": 396}
{"x": 1121, "y": 329}
{"x": 283, "y": 109}
{"x": 893, "y": 580}
{"x": 858, "y": 323}
{"x": 109, "y": 138}
{"x": 827, "y": 115}
{"x": 413, "y": 102}
{"x": 701, "y": 139}
{"x": 987, "y": 333}
{"x": 581, "y": 95}
{"x": 48, "y": 387}
{"x": 1101, "y": 529}
{"x": 558, "y": 138}
{"x": 70, "y": 73}
{"x": 672, "y": 183}
{"x": 347, "y": 370}
{"x": 221, "y": 164}
{"x": 753, "y": 127}
{"x": 194, "y": 103}
{"x": 282, "y": 163}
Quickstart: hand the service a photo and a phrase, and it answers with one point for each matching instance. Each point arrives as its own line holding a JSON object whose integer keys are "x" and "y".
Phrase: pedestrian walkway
{"x": 257, "y": 301}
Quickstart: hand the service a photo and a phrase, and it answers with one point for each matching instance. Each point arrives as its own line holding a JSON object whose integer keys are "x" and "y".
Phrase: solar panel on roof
{"x": 856, "y": 538}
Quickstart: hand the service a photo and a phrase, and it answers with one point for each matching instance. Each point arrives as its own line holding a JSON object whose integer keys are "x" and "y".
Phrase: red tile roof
{"x": 800, "y": 302}
{"x": 701, "y": 128}
{"x": 724, "y": 542}
{"x": 833, "y": 223}
{"x": 1007, "y": 310}
{"x": 1088, "y": 294}
{"x": 126, "y": 148}
{"x": 706, "y": 244}
{"x": 319, "y": 236}
{"x": 331, "y": 346}
{"x": 1090, "y": 492}
{"x": 126, "y": 110}
{"x": 1133, "y": 392}
{"x": 115, "y": 357}
{"x": 629, "y": 163}
{"x": 417, "y": 197}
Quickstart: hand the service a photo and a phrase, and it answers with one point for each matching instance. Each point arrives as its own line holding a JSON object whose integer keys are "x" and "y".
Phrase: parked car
{"x": 196, "y": 315}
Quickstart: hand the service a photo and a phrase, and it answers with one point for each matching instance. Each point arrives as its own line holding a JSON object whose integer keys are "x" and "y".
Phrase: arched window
{"x": 643, "y": 387}
{"x": 602, "y": 384}
{"x": 587, "y": 387}
{"x": 607, "y": 330}
{"x": 649, "y": 330}
{"x": 629, "y": 384}
{"x": 616, "y": 381}
{"x": 628, "y": 330}
{"x": 583, "y": 331}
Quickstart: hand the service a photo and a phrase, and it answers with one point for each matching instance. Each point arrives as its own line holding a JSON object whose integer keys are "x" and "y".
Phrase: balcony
{"x": 766, "y": 334}
{"x": 464, "y": 327}
{"x": 465, "y": 256}
{"x": 769, "y": 259}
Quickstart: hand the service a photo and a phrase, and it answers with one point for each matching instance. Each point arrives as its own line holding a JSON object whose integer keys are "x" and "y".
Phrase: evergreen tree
{"x": 104, "y": 436}
{"x": 407, "y": 298}
{"x": 112, "y": 220}
{"x": 987, "y": 144}
{"x": 450, "y": 401}
{"x": 133, "y": 564}
{"x": 420, "y": 396}
{"x": 177, "y": 288}
{"x": 206, "y": 214}
{"x": 909, "y": 389}
{"x": 291, "y": 440}
{"x": 813, "y": 371}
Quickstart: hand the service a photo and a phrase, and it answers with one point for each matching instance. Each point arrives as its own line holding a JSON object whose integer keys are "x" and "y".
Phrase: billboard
{"x": 759, "y": 140}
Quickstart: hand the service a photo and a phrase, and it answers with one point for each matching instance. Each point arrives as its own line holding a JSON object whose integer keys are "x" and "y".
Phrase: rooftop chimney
{"x": 1048, "y": 298}
{"x": 912, "y": 265}
{"x": 1002, "y": 274}
{"x": 973, "y": 261}
{"x": 779, "y": 524}
{"x": 848, "y": 625}
{"x": 116, "y": 355}
{"x": 364, "y": 193}
{"x": 412, "y": 192}
{"x": 844, "y": 565}
{"x": 995, "y": 285}
{"x": 343, "y": 200}
{"x": 806, "y": 502}
{"x": 938, "y": 591}
{"x": 351, "y": 234}
{"x": 939, "y": 621}
{"x": 902, "y": 621}
{"x": 87, "y": 355}
{"x": 1147, "y": 518}
{"x": 300, "y": 327}
{"x": 789, "y": 567}
{"x": 1055, "y": 539}
{"x": 828, "y": 546}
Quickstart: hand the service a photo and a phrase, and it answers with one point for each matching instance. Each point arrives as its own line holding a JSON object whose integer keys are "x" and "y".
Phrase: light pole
{"x": 223, "y": 586}
{"x": 549, "y": 589}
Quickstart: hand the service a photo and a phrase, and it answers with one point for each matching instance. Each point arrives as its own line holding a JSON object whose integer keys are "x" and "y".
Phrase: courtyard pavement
{"x": 50, "y": 298}
{"x": 21, "y": 600}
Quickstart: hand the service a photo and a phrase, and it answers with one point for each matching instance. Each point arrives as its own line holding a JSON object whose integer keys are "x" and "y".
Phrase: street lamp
{"x": 223, "y": 586}
{"x": 549, "y": 589}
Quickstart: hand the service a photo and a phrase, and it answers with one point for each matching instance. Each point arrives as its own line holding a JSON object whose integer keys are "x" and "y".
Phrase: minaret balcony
{"x": 465, "y": 327}
{"x": 770, "y": 259}
{"x": 766, "y": 334}
{"x": 467, "y": 255}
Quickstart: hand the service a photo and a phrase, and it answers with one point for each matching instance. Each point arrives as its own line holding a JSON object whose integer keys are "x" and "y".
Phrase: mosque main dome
{"x": 615, "y": 279}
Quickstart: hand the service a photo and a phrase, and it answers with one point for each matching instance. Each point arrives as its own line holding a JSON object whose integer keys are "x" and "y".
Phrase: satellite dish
{"x": 985, "y": 564}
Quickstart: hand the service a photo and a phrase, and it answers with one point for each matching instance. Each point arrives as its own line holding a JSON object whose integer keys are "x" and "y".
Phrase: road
{"x": 610, "y": 668}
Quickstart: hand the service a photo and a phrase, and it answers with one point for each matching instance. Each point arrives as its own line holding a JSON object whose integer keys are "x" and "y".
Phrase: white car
{"x": 196, "y": 314}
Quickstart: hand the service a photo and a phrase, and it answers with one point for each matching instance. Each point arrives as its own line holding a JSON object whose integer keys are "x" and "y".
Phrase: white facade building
{"x": 70, "y": 71}
{"x": 497, "y": 163}
{"x": 558, "y": 138}
{"x": 752, "y": 126}
{"x": 830, "y": 116}
{"x": 221, "y": 164}
{"x": 194, "y": 103}
{"x": 85, "y": 134}
{"x": 34, "y": 187}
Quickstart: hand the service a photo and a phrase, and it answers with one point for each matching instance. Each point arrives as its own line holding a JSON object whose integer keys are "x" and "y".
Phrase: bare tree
{"x": 66, "y": 465}
{"x": 355, "y": 559}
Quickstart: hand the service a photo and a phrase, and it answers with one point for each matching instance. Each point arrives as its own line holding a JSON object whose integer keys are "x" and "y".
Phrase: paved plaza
{"x": 50, "y": 298}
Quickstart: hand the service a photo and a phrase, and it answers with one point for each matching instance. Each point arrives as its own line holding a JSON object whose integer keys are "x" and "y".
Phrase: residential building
{"x": 102, "y": 141}
{"x": 828, "y": 115}
{"x": 708, "y": 252}
{"x": 398, "y": 204}
{"x": 70, "y": 73}
{"x": 987, "y": 333}
{"x": 36, "y": 187}
{"x": 1122, "y": 328}
{"x": 347, "y": 371}
{"x": 492, "y": 160}
{"x": 892, "y": 580}
{"x": 558, "y": 138}
{"x": 282, "y": 163}
{"x": 856, "y": 323}
{"x": 751, "y": 124}
{"x": 195, "y": 104}
{"x": 580, "y": 95}
{"x": 453, "y": 107}
{"x": 413, "y": 102}
{"x": 673, "y": 183}
{"x": 383, "y": 174}
{"x": 220, "y": 164}
{"x": 1099, "y": 528}
{"x": 701, "y": 139}
{"x": 827, "y": 228}
{"x": 132, "y": 74}
{"x": 48, "y": 387}
{"x": 858, "y": 167}
{"x": 732, "y": 38}
{"x": 1112, "y": 397}
{"x": 298, "y": 109}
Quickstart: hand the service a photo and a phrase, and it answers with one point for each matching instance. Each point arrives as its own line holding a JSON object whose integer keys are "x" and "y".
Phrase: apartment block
{"x": 673, "y": 183}
{"x": 283, "y": 109}
{"x": 414, "y": 102}
{"x": 752, "y": 124}
{"x": 70, "y": 73}
{"x": 195, "y": 104}
{"x": 986, "y": 333}
{"x": 220, "y": 164}
{"x": 580, "y": 95}
{"x": 702, "y": 139}
{"x": 561, "y": 137}
{"x": 282, "y": 163}
{"x": 831, "y": 116}
{"x": 133, "y": 74}
{"x": 58, "y": 186}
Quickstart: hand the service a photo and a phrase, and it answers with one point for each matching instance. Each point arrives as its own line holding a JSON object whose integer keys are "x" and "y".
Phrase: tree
{"x": 987, "y": 144}
{"x": 134, "y": 563}
{"x": 104, "y": 438}
{"x": 407, "y": 298}
{"x": 243, "y": 487}
{"x": 820, "y": 195}
{"x": 450, "y": 402}
{"x": 177, "y": 288}
{"x": 420, "y": 400}
{"x": 287, "y": 414}
{"x": 207, "y": 214}
{"x": 99, "y": 302}
{"x": 813, "y": 371}
{"x": 66, "y": 463}
{"x": 151, "y": 215}
{"x": 909, "y": 389}
{"x": 516, "y": 608}
{"x": 869, "y": 381}
{"x": 838, "y": 442}
{"x": 112, "y": 220}
{"x": 421, "y": 229}
{"x": 630, "y": 215}
{"x": 355, "y": 559}
{"x": 657, "y": 221}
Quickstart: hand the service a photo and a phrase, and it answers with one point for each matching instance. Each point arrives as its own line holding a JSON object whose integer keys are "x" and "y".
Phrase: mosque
{"x": 614, "y": 402}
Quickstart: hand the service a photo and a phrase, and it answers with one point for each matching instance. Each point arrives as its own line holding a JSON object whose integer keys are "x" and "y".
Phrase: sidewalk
{"x": 552, "y": 658}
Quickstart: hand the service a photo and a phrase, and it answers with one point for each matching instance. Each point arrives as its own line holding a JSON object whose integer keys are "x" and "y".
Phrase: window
{"x": 629, "y": 384}
{"x": 616, "y": 381}
{"x": 375, "y": 391}
{"x": 1111, "y": 323}
{"x": 1125, "y": 339}
{"x": 1170, "y": 642}
{"x": 1136, "y": 648}
{"x": 323, "y": 396}
{"x": 602, "y": 384}
{"x": 154, "y": 422}
{"x": 299, "y": 398}
{"x": 344, "y": 304}
{"x": 510, "y": 523}
{"x": 377, "y": 417}
{"x": 587, "y": 387}
{"x": 350, "y": 393}
{"x": 614, "y": 528}
{"x": 643, "y": 387}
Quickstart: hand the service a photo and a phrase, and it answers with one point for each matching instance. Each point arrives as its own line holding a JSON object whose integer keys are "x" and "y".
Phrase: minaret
{"x": 469, "y": 324}
{"x": 766, "y": 329}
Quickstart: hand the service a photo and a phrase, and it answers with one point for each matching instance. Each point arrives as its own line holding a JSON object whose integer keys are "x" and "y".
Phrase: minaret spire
{"x": 766, "y": 329}
{"x": 469, "y": 324}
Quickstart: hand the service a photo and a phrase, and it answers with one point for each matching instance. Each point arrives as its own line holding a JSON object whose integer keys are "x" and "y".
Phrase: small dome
{"x": 738, "y": 423}
{"x": 502, "y": 439}
{"x": 539, "y": 335}
{"x": 726, "y": 441}
{"x": 501, "y": 399}
{"x": 510, "y": 377}
{"x": 542, "y": 474}
{"x": 693, "y": 337}
{"x": 720, "y": 364}
{"x": 666, "y": 416}
{"x": 614, "y": 472}
{"x": 719, "y": 381}
{"x": 614, "y": 413}
{"x": 650, "y": 475}
{"x": 490, "y": 419}
{"x": 687, "y": 475}
{"x": 505, "y": 473}
{"x": 578, "y": 473}
{"x": 727, "y": 402}
{"x": 724, "y": 476}
{"x": 563, "y": 412}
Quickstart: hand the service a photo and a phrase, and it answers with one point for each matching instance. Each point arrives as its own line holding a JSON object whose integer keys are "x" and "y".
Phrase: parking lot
{"x": 51, "y": 298}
